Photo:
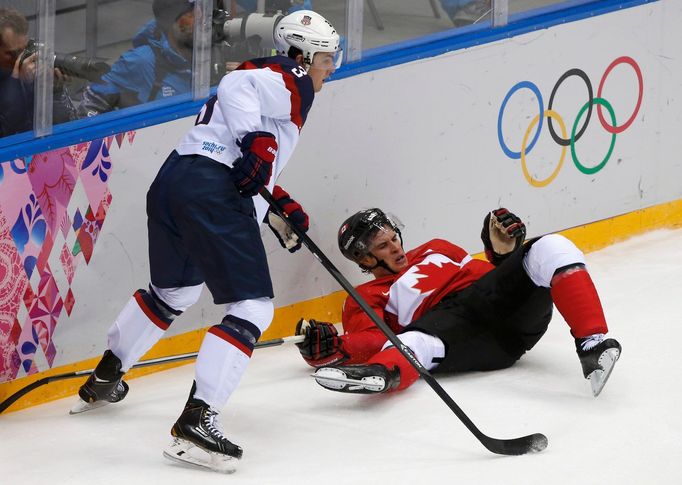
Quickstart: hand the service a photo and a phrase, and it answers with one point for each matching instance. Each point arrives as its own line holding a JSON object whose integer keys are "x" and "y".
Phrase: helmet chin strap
{"x": 383, "y": 264}
{"x": 380, "y": 264}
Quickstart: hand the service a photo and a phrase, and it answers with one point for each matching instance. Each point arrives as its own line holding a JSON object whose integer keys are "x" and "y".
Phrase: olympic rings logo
{"x": 564, "y": 141}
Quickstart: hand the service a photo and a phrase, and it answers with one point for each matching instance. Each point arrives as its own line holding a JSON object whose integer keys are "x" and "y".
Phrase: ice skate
{"x": 598, "y": 357}
{"x": 105, "y": 385}
{"x": 357, "y": 379}
{"x": 199, "y": 441}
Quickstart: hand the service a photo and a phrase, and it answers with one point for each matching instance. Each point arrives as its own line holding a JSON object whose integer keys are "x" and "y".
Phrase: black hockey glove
{"x": 253, "y": 169}
{"x": 502, "y": 233}
{"x": 322, "y": 345}
{"x": 296, "y": 215}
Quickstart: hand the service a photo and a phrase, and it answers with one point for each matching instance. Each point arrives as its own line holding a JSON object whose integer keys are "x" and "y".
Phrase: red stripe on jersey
{"x": 230, "y": 339}
{"x": 295, "y": 95}
{"x": 247, "y": 65}
{"x": 289, "y": 82}
{"x": 150, "y": 314}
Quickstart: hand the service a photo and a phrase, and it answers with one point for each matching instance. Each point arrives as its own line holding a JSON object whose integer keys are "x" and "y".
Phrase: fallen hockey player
{"x": 455, "y": 313}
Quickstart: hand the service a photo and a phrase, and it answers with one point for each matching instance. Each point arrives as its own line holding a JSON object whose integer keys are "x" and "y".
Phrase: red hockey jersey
{"x": 435, "y": 269}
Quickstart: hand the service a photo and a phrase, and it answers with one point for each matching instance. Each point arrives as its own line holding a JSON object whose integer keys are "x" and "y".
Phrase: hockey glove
{"x": 253, "y": 169}
{"x": 296, "y": 215}
{"x": 322, "y": 345}
{"x": 502, "y": 233}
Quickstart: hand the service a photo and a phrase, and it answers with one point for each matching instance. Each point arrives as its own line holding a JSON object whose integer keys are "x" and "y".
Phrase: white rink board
{"x": 420, "y": 140}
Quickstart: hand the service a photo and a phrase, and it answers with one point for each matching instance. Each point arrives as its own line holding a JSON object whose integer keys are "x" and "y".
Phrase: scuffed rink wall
{"x": 438, "y": 142}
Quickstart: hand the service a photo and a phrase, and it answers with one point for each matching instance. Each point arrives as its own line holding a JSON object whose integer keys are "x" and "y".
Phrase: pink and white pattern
{"x": 34, "y": 221}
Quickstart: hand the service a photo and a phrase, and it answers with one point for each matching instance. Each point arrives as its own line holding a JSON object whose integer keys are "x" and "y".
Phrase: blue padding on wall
{"x": 148, "y": 114}
{"x": 98, "y": 127}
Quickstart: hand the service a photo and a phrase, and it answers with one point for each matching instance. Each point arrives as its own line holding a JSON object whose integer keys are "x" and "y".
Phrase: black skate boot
{"x": 105, "y": 385}
{"x": 597, "y": 357}
{"x": 358, "y": 379}
{"x": 199, "y": 440}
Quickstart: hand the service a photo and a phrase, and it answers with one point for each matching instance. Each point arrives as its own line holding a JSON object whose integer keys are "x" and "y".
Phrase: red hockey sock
{"x": 577, "y": 300}
{"x": 391, "y": 358}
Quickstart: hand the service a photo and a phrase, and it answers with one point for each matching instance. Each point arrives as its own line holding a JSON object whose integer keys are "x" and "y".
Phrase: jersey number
{"x": 206, "y": 112}
{"x": 298, "y": 71}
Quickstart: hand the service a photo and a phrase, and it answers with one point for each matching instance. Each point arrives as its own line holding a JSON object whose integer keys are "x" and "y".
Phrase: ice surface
{"x": 294, "y": 431}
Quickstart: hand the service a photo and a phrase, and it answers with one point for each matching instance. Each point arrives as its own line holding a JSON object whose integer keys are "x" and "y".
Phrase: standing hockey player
{"x": 456, "y": 313}
{"x": 203, "y": 216}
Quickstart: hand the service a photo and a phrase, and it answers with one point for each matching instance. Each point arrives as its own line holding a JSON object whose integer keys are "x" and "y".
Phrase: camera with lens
{"x": 80, "y": 67}
{"x": 236, "y": 39}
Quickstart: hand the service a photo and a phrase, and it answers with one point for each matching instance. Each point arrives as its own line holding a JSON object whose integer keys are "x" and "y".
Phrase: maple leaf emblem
{"x": 433, "y": 276}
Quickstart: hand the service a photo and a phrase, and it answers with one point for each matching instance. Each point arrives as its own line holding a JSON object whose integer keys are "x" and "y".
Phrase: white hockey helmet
{"x": 310, "y": 32}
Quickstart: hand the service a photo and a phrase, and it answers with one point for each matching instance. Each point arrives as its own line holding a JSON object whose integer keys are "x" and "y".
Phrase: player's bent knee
{"x": 258, "y": 311}
{"x": 547, "y": 255}
{"x": 179, "y": 299}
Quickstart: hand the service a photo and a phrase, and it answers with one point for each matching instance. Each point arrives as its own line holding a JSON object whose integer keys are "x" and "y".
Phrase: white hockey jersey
{"x": 272, "y": 94}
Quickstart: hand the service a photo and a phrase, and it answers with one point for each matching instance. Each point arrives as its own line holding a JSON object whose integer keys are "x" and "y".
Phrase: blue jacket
{"x": 151, "y": 70}
{"x": 16, "y": 105}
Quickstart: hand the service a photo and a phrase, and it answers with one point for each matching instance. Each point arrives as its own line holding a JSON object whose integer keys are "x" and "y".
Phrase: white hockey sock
{"x": 219, "y": 368}
{"x": 132, "y": 334}
{"x": 548, "y": 254}
{"x": 426, "y": 348}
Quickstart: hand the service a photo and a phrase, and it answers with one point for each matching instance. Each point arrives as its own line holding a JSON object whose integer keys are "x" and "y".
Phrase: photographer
{"x": 159, "y": 65}
{"x": 17, "y": 74}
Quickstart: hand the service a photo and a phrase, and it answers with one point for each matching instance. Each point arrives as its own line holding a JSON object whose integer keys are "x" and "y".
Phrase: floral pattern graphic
{"x": 13, "y": 285}
{"x": 35, "y": 221}
{"x": 53, "y": 178}
{"x": 30, "y": 226}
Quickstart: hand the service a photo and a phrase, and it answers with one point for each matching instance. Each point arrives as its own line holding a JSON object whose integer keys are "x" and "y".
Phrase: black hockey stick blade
{"x": 532, "y": 443}
{"x": 516, "y": 446}
{"x": 144, "y": 363}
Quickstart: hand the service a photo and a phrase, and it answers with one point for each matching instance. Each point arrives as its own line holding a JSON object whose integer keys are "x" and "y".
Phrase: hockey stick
{"x": 144, "y": 363}
{"x": 516, "y": 446}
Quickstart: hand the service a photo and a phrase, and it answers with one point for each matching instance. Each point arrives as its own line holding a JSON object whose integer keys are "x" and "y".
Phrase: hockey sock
{"x": 224, "y": 354}
{"x": 137, "y": 328}
{"x": 428, "y": 350}
{"x": 577, "y": 300}
{"x": 392, "y": 358}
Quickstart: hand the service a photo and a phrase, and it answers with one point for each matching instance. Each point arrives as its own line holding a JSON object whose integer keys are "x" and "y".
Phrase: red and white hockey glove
{"x": 502, "y": 233}
{"x": 295, "y": 213}
{"x": 252, "y": 171}
{"x": 322, "y": 345}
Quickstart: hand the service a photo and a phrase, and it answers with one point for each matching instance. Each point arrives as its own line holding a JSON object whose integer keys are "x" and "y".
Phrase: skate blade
{"x": 336, "y": 380}
{"x": 598, "y": 378}
{"x": 82, "y": 406}
{"x": 188, "y": 454}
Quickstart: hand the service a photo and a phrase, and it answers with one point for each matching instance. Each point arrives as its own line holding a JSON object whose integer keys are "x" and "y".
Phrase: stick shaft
{"x": 508, "y": 447}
